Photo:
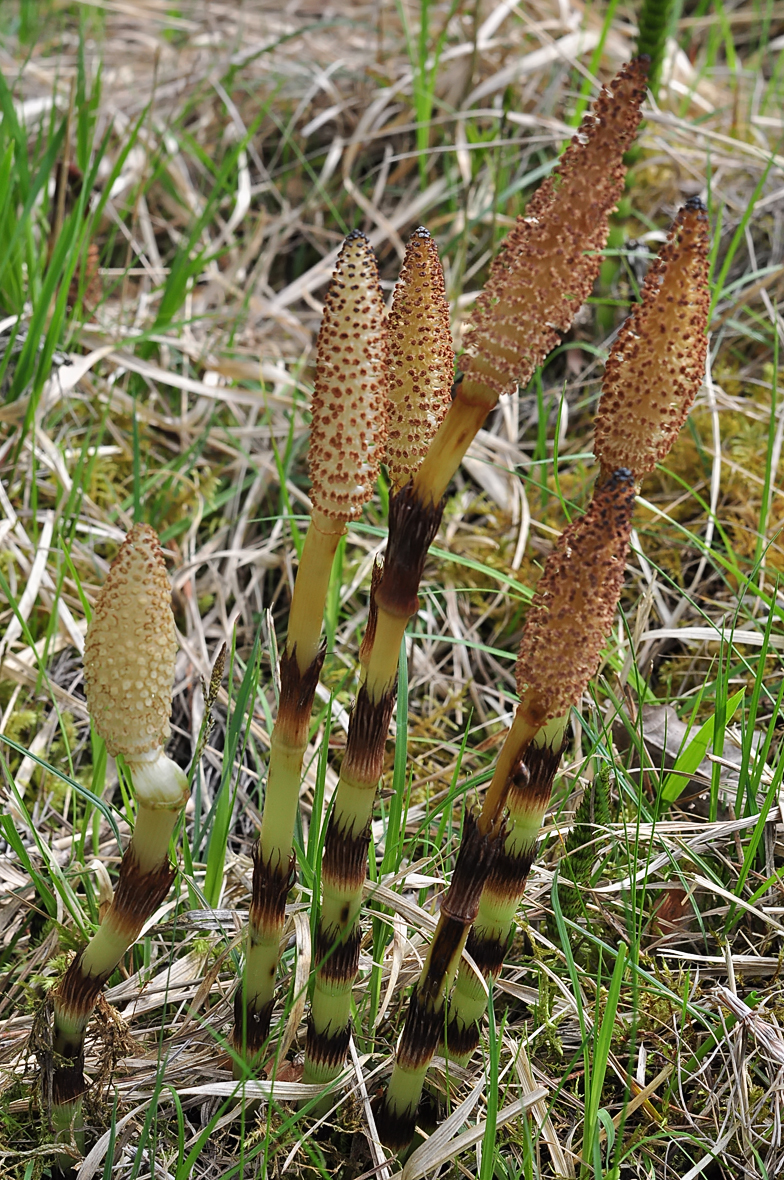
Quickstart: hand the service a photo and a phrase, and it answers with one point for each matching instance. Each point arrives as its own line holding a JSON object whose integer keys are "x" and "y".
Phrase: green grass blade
{"x": 692, "y": 755}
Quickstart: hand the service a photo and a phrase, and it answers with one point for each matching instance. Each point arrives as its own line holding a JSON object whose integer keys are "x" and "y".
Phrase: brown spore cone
{"x": 421, "y": 357}
{"x": 657, "y": 363}
{"x": 130, "y": 650}
{"x": 348, "y": 432}
{"x": 574, "y": 604}
{"x": 551, "y": 257}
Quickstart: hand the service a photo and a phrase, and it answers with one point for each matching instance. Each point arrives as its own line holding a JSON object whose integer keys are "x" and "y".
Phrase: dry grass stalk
{"x": 347, "y": 440}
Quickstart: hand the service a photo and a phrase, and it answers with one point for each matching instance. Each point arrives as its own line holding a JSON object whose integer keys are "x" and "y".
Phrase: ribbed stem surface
{"x": 412, "y": 527}
{"x": 139, "y": 893}
{"x": 343, "y": 871}
{"x": 273, "y": 869}
{"x": 489, "y": 938}
{"x": 311, "y": 586}
{"x": 396, "y": 1116}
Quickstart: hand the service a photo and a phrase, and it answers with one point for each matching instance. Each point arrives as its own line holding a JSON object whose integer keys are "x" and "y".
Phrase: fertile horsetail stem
{"x": 347, "y": 443}
{"x": 421, "y": 358}
{"x": 348, "y": 431}
{"x": 421, "y": 364}
{"x": 657, "y": 362}
{"x": 129, "y": 656}
{"x": 536, "y": 286}
{"x": 654, "y": 370}
{"x": 567, "y": 625}
{"x": 543, "y": 275}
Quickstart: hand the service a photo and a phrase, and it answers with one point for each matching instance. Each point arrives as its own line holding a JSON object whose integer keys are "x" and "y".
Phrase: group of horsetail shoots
{"x": 385, "y": 391}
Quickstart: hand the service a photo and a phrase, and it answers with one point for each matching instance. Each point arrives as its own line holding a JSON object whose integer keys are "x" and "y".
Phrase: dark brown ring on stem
{"x": 271, "y": 886}
{"x": 412, "y": 529}
{"x": 297, "y": 691}
{"x": 327, "y": 1049}
{"x": 368, "y": 728}
{"x": 251, "y": 1025}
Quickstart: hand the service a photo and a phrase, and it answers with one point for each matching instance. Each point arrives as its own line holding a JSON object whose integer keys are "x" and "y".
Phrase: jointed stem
{"x": 145, "y": 878}
{"x": 487, "y": 943}
{"x": 528, "y": 719}
{"x": 300, "y": 666}
{"x": 411, "y": 530}
{"x": 348, "y": 435}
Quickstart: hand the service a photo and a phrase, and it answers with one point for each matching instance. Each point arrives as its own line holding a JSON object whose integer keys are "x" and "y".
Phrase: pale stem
{"x": 310, "y": 587}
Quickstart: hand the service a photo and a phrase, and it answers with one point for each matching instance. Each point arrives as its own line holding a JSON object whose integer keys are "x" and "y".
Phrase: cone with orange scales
{"x": 657, "y": 361}
{"x": 543, "y": 274}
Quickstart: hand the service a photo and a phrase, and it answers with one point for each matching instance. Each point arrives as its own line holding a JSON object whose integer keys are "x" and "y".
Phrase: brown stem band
{"x": 487, "y": 952}
{"x": 509, "y": 873}
{"x": 458, "y": 908}
{"x": 271, "y": 885}
{"x": 541, "y": 762}
{"x": 366, "y": 646}
{"x": 68, "y": 1081}
{"x": 413, "y": 525}
{"x": 77, "y": 994}
{"x": 461, "y": 1040}
{"x": 136, "y": 898}
{"x": 251, "y": 1025}
{"x": 138, "y": 895}
{"x": 475, "y": 860}
{"x": 327, "y": 1049}
{"x": 421, "y": 1033}
{"x": 395, "y": 1129}
{"x": 363, "y": 762}
{"x": 344, "y": 865}
{"x": 297, "y": 690}
{"x": 337, "y": 954}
